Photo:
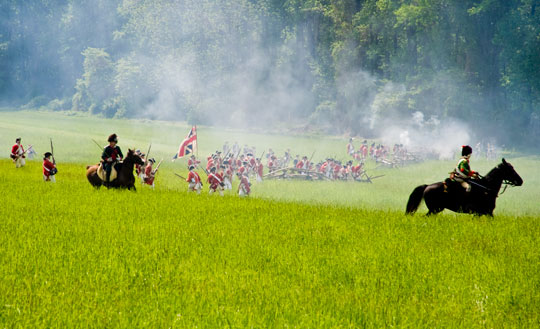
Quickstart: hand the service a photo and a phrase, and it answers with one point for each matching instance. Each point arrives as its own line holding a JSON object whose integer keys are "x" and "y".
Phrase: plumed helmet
{"x": 113, "y": 138}
{"x": 466, "y": 150}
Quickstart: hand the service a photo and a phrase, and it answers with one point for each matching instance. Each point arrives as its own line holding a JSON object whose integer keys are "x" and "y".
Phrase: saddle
{"x": 102, "y": 174}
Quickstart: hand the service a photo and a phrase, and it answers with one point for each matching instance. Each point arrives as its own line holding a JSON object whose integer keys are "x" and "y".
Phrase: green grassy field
{"x": 296, "y": 254}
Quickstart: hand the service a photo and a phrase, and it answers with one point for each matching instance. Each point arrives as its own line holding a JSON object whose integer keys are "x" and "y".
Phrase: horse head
{"x": 134, "y": 158}
{"x": 509, "y": 174}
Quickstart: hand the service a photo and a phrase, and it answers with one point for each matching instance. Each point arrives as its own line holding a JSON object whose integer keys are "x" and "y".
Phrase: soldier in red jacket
{"x": 193, "y": 162}
{"x": 149, "y": 174}
{"x": 194, "y": 181}
{"x": 49, "y": 168}
{"x": 259, "y": 169}
{"x": 216, "y": 182}
{"x": 227, "y": 175}
{"x": 18, "y": 154}
{"x": 244, "y": 188}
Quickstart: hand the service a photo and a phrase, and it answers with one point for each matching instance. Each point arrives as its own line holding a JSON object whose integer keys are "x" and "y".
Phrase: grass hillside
{"x": 296, "y": 254}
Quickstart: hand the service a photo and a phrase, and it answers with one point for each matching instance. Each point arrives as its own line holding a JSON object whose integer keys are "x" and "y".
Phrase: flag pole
{"x": 197, "y": 143}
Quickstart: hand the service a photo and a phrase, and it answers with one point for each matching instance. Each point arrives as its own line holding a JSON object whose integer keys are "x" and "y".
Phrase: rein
{"x": 506, "y": 183}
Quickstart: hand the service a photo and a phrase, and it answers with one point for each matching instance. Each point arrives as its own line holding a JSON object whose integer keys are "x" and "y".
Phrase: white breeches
{"x": 19, "y": 162}
{"x": 228, "y": 184}
{"x": 194, "y": 187}
{"x": 219, "y": 190}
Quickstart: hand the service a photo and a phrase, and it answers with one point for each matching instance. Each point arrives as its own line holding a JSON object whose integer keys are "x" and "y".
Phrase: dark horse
{"x": 451, "y": 195}
{"x": 125, "y": 177}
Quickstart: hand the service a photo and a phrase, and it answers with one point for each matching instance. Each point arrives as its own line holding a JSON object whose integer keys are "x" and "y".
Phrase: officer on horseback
{"x": 111, "y": 155}
{"x": 462, "y": 173}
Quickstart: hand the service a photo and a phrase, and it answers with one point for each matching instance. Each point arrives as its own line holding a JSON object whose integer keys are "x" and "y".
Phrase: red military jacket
{"x": 193, "y": 176}
{"x": 228, "y": 173}
{"x": 47, "y": 167}
{"x": 260, "y": 168}
{"x": 149, "y": 177}
{"x": 16, "y": 149}
{"x": 241, "y": 169}
{"x": 214, "y": 180}
{"x": 244, "y": 183}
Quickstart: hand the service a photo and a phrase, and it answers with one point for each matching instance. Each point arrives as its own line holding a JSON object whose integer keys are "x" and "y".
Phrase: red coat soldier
{"x": 17, "y": 154}
{"x": 49, "y": 168}
{"x": 194, "y": 181}
{"x": 244, "y": 188}
{"x": 216, "y": 181}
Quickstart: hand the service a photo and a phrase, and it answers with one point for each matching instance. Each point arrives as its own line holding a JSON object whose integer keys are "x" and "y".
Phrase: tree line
{"x": 340, "y": 65}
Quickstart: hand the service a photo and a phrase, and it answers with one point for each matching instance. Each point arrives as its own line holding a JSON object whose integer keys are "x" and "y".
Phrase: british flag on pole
{"x": 188, "y": 145}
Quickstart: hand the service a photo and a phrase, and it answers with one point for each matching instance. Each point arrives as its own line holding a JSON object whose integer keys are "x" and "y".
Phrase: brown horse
{"x": 450, "y": 195}
{"x": 125, "y": 177}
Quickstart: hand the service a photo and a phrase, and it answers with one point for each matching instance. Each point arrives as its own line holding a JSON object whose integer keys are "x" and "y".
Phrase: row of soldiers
{"x": 377, "y": 152}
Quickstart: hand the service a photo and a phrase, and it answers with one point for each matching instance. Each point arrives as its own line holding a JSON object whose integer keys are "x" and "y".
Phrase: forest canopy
{"x": 344, "y": 66}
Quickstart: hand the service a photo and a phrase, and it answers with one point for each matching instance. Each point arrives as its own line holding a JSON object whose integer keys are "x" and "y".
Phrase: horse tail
{"x": 414, "y": 200}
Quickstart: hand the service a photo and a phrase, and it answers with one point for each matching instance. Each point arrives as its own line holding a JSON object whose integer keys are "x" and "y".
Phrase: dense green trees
{"x": 342, "y": 65}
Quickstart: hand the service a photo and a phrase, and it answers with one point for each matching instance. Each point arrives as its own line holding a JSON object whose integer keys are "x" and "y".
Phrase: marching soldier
{"x": 138, "y": 167}
{"x": 244, "y": 188}
{"x": 215, "y": 181}
{"x": 259, "y": 170}
{"x": 193, "y": 162}
{"x": 149, "y": 174}
{"x": 194, "y": 181}
{"x": 18, "y": 154}
{"x": 111, "y": 155}
{"x": 227, "y": 175}
{"x": 49, "y": 168}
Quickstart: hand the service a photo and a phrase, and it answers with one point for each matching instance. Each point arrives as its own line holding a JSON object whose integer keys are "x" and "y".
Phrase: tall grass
{"x": 296, "y": 254}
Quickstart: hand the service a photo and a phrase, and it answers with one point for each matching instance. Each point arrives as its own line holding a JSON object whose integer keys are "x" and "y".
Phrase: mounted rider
{"x": 111, "y": 155}
{"x": 462, "y": 173}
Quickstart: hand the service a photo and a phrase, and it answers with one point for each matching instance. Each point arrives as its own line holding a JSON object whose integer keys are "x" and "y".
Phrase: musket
{"x": 148, "y": 153}
{"x": 100, "y": 147}
{"x": 479, "y": 185}
{"x": 180, "y": 176}
{"x": 52, "y": 152}
{"x": 157, "y": 167}
{"x": 311, "y": 157}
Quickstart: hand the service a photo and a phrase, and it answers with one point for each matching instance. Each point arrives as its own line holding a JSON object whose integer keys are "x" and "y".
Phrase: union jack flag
{"x": 188, "y": 145}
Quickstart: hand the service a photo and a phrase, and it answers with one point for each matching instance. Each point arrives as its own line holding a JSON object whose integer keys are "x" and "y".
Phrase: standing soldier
{"x": 30, "y": 152}
{"x": 259, "y": 170}
{"x": 193, "y": 161}
{"x": 194, "y": 181}
{"x": 215, "y": 181}
{"x": 110, "y": 156}
{"x": 49, "y": 168}
{"x": 17, "y": 154}
{"x": 244, "y": 188}
{"x": 149, "y": 174}
{"x": 227, "y": 175}
{"x": 138, "y": 167}
{"x": 350, "y": 147}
